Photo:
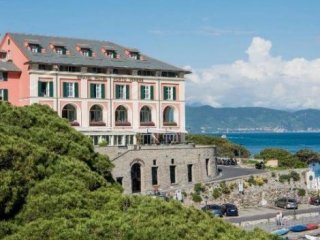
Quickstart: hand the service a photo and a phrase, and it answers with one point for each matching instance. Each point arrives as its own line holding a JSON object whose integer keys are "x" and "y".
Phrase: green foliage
{"x": 301, "y": 192}
{"x": 198, "y": 188}
{"x": 295, "y": 176}
{"x": 273, "y": 174}
{"x": 224, "y": 188}
{"x": 103, "y": 143}
{"x": 216, "y": 193}
{"x": 306, "y": 155}
{"x": 196, "y": 197}
{"x": 224, "y": 147}
{"x": 285, "y": 158}
{"x": 286, "y": 177}
{"x": 54, "y": 186}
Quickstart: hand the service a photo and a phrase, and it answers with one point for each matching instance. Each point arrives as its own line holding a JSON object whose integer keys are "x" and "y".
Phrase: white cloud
{"x": 261, "y": 80}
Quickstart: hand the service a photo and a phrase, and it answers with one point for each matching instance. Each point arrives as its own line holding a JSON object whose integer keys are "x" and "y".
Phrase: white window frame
{"x": 71, "y": 89}
{"x": 123, "y": 91}
{"x": 59, "y": 50}
{"x": 34, "y": 49}
{"x": 1, "y": 94}
{"x": 170, "y": 92}
{"x": 47, "y": 94}
{"x": 147, "y": 92}
{"x": 98, "y": 90}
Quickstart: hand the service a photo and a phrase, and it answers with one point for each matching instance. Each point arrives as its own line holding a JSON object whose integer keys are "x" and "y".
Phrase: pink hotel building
{"x": 104, "y": 90}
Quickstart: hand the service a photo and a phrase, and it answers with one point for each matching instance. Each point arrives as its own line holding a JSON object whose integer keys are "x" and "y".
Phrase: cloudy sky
{"x": 242, "y": 53}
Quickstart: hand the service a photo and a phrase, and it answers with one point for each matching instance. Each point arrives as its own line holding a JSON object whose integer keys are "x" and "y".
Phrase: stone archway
{"x": 136, "y": 178}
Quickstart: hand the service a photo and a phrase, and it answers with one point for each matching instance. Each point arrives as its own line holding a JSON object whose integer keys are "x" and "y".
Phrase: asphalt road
{"x": 236, "y": 171}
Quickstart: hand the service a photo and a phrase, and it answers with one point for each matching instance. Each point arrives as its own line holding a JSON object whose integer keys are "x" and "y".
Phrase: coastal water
{"x": 292, "y": 142}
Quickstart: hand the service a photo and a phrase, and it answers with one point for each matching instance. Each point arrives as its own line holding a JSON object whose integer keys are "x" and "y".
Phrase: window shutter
{"x": 151, "y": 89}
{"x": 76, "y": 90}
{"x": 92, "y": 90}
{"x": 127, "y": 92}
{"x": 39, "y": 89}
{"x": 5, "y": 94}
{"x": 103, "y": 91}
{"x": 174, "y": 93}
{"x": 5, "y": 76}
{"x": 165, "y": 93}
{"x": 142, "y": 89}
{"x": 51, "y": 89}
{"x": 117, "y": 91}
{"x": 65, "y": 90}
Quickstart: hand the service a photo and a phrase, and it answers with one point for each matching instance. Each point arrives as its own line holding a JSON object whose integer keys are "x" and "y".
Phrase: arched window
{"x": 96, "y": 114}
{"x": 168, "y": 115}
{"x": 121, "y": 116}
{"x": 69, "y": 112}
{"x": 145, "y": 115}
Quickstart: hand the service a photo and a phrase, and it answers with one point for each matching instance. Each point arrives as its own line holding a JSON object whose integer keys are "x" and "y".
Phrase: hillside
{"x": 54, "y": 186}
{"x": 209, "y": 119}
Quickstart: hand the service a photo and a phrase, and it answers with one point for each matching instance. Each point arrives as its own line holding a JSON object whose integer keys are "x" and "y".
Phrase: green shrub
{"x": 103, "y": 143}
{"x": 216, "y": 193}
{"x": 301, "y": 192}
{"x": 196, "y": 197}
{"x": 198, "y": 188}
{"x": 251, "y": 181}
{"x": 283, "y": 178}
{"x": 224, "y": 188}
{"x": 273, "y": 174}
{"x": 295, "y": 176}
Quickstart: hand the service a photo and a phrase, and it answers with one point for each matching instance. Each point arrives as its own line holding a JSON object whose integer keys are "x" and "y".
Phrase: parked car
{"x": 229, "y": 209}
{"x": 288, "y": 203}
{"x": 260, "y": 165}
{"x": 215, "y": 209}
{"x": 315, "y": 200}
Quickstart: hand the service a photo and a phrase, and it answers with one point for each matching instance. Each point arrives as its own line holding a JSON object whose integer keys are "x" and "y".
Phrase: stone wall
{"x": 202, "y": 159}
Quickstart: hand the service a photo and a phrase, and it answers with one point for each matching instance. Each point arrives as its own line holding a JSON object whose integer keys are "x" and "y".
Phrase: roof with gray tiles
{"x": 8, "y": 67}
{"x": 77, "y": 59}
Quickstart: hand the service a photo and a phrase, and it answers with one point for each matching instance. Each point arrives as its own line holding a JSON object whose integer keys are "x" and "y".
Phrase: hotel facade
{"x": 109, "y": 92}
{"x": 118, "y": 96}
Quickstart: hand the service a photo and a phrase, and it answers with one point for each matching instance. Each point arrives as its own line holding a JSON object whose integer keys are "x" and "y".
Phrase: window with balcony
{"x": 121, "y": 116}
{"x": 69, "y": 112}
{"x": 45, "y": 89}
{"x": 3, "y": 94}
{"x": 122, "y": 92}
{"x": 65, "y": 68}
{"x": 45, "y": 67}
{"x": 70, "y": 89}
{"x": 96, "y": 116}
{"x": 168, "y": 117}
{"x": 169, "y": 93}
{"x": 97, "y": 90}
{"x": 146, "y": 116}
{"x": 146, "y": 92}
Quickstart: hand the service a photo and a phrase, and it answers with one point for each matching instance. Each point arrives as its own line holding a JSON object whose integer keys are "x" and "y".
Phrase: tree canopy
{"x": 54, "y": 186}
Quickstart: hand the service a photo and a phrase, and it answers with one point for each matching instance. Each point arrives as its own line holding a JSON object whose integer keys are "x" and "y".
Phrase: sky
{"x": 241, "y": 53}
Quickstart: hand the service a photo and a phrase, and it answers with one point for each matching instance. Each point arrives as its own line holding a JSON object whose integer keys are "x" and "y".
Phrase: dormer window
{"x": 111, "y": 53}
{"x": 135, "y": 55}
{"x": 35, "y": 48}
{"x": 86, "y": 52}
{"x": 60, "y": 50}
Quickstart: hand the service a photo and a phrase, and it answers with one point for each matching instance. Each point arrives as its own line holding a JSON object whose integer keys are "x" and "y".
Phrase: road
{"x": 236, "y": 171}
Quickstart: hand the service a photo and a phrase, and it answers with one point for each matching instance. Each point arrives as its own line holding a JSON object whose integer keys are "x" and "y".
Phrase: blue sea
{"x": 292, "y": 142}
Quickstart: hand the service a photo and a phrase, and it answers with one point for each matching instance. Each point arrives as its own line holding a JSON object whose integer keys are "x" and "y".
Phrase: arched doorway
{"x": 136, "y": 178}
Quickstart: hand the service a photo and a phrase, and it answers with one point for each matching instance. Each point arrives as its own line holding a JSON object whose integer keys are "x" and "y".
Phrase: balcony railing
{"x": 147, "y": 124}
{"x": 97, "y": 124}
{"x": 123, "y": 124}
{"x": 169, "y": 124}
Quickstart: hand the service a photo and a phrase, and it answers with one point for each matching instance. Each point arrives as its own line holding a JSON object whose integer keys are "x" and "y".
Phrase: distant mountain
{"x": 247, "y": 119}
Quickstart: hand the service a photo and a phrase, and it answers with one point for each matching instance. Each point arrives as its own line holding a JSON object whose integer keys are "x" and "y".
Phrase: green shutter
{"x": 51, "y": 89}
{"x": 92, "y": 90}
{"x": 76, "y": 89}
{"x": 103, "y": 91}
{"x": 151, "y": 89}
{"x": 5, "y": 76}
{"x": 39, "y": 89}
{"x": 65, "y": 90}
{"x": 127, "y": 92}
{"x": 5, "y": 94}
{"x": 142, "y": 89}
{"x": 117, "y": 91}
{"x": 174, "y": 93}
{"x": 165, "y": 93}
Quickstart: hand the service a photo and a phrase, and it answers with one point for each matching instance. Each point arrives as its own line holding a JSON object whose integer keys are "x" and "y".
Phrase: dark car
{"x": 229, "y": 209}
{"x": 260, "y": 165}
{"x": 215, "y": 209}
{"x": 288, "y": 203}
{"x": 315, "y": 200}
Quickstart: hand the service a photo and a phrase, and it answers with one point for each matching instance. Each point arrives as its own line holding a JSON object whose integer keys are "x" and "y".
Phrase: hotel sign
{"x": 96, "y": 78}
{"x": 121, "y": 79}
